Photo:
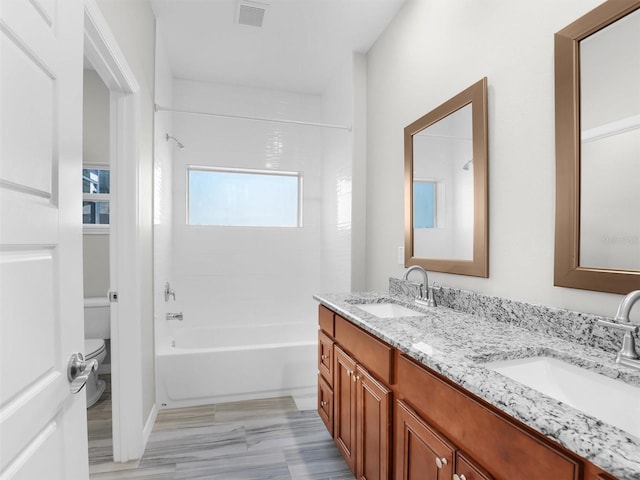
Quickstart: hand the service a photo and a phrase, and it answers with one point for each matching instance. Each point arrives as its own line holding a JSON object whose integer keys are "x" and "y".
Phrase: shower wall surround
{"x": 226, "y": 276}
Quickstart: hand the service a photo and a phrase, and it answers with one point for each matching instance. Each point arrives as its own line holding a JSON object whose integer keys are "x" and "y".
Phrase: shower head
{"x": 467, "y": 165}
{"x": 178, "y": 143}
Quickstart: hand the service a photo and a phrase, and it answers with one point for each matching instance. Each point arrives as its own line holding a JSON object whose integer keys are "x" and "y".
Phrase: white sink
{"x": 388, "y": 310}
{"x": 612, "y": 401}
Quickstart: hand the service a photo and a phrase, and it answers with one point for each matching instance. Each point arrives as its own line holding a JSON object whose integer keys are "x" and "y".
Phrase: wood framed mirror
{"x": 597, "y": 98}
{"x": 446, "y": 186}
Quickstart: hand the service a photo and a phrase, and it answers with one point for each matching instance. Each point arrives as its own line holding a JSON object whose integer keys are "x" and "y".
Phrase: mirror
{"x": 598, "y": 150}
{"x": 446, "y": 186}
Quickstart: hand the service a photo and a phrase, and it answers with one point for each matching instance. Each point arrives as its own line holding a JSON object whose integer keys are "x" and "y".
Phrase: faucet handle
{"x": 628, "y": 350}
{"x": 627, "y": 327}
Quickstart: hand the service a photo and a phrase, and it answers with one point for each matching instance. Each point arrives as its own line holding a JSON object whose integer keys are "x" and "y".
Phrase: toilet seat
{"x": 93, "y": 347}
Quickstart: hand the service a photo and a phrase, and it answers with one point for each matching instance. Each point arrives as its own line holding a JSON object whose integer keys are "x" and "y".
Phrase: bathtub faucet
{"x": 174, "y": 316}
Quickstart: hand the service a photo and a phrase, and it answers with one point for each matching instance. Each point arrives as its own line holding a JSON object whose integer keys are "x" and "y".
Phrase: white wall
{"x": 247, "y": 276}
{"x": 162, "y": 187}
{"x": 95, "y": 151}
{"x": 133, "y": 26}
{"x": 433, "y": 50}
{"x": 337, "y": 182}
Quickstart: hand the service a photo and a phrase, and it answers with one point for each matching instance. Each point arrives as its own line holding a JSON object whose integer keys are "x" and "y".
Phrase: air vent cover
{"x": 251, "y": 13}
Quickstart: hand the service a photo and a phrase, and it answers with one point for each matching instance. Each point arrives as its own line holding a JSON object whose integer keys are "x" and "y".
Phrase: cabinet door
{"x": 325, "y": 357}
{"x": 421, "y": 453}
{"x": 325, "y": 403}
{"x": 467, "y": 469}
{"x": 344, "y": 420}
{"x": 373, "y": 427}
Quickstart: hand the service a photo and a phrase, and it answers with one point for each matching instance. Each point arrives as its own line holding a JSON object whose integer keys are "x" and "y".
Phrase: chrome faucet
{"x": 628, "y": 354}
{"x": 428, "y": 300}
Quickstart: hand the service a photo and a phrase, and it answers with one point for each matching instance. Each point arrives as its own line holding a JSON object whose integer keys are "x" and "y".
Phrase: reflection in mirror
{"x": 598, "y": 150}
{"x": 446, "y": 186}
{"x": 443, "y": 188}
{"x": 610, "y": 147}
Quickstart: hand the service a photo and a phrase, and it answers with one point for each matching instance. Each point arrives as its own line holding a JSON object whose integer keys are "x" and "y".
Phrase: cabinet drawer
{"x": 325, "y": 357}
{"x": 375, "y": 355}
{"x": 325, "y": 403}
{"x": 500, "y": 444}
{"x": 325, "y": 320}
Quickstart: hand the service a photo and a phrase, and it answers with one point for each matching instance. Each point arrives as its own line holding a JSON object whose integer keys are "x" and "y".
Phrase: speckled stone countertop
{"x": 458, "y": 345}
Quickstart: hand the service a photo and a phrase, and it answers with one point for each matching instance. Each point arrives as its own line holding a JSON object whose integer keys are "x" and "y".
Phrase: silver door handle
{"x": 78, "y": 371}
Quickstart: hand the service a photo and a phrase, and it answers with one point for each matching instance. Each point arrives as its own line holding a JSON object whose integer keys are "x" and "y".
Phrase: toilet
{"x": 94, "y": 349}
{"x": 97, "y": 329}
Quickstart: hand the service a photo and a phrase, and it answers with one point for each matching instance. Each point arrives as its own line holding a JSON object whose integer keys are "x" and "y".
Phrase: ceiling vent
{"x": 251, "y": 13}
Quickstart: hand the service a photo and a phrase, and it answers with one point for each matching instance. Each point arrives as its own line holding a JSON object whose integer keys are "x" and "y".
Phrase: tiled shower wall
{"x": 247, "y": 276}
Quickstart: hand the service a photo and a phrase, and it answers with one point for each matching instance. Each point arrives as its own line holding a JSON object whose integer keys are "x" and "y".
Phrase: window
{"x": 424, "y": 204}
{"x": 244, "y": 198}
{"x": 95, "y": 198}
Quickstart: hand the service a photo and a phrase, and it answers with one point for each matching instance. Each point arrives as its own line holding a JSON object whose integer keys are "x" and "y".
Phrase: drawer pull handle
{"x": 459, "y": 477}
{"x": 440, "y": 462}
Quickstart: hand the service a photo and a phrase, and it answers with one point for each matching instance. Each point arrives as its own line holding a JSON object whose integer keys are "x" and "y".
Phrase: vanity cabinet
{"x": 439, "y": 431}
{"x": 362, "y": 419}
{"x": 358, "y": 401}
{"x": 502, "y": 446}
{"x": 423, "y": 453}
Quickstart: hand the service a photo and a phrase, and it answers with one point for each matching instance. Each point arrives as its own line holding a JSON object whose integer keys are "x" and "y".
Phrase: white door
{"x": 42, "y": 425}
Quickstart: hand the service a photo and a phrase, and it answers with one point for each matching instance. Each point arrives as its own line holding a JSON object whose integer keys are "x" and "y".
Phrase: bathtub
{"x": 199, "y": 366}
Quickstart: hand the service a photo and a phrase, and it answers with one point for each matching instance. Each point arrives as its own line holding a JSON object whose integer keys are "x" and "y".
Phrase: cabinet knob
{"x": 323, "y": 403}
{"x": 324, "y": 357}
{"x": 356, "y": 378}
{"x": 440, "y": 462}
{"x": 459, "y": 477}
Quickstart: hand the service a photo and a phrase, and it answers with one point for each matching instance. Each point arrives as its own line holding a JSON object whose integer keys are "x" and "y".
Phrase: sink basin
{"x": 612, "y": 401}
{"x": 388, "y": 310}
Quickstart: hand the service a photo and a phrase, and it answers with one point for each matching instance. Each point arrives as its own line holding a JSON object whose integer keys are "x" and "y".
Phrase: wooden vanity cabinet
{"x": 467, "y": 469}
{"x": 421, "y": 453}
{"x": 325, "y": 366}
{"x": 362, "y": 418}
{"x": 500, "y": 444}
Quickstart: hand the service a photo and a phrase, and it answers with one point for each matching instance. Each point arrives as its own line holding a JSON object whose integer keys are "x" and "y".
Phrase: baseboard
{"x": 148, "y": 426}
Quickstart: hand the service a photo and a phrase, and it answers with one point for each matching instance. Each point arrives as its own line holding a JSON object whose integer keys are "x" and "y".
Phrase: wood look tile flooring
{"x": 252, "y": 440}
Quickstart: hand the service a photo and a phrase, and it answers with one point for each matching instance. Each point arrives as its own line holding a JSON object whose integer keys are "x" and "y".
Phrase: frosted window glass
{"x": 243, "y": 199}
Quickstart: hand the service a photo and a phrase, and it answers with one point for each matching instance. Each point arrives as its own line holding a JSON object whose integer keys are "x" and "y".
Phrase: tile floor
{"x": 258, "y": 439}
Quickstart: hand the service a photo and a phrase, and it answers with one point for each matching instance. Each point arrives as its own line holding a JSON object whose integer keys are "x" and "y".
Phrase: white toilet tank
{"x": 97, "y": 318}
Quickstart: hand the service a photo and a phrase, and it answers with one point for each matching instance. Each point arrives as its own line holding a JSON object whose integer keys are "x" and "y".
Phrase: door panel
{"x": 344, "y": 428}
{"x": 374, "y": 403}
{"x": 421, "y": 453}
{"x": 42, "y": 426}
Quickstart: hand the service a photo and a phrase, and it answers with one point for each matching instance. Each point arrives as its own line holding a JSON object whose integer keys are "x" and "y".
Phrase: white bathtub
{"x": 199, "y": 366}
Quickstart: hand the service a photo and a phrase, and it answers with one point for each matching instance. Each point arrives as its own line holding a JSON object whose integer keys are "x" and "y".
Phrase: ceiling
{"x": 298, "y": 48}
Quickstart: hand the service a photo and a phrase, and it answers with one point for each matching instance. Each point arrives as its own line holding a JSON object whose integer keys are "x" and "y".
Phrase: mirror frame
{"x": 476, "y": 95}
{"x": 567, "y": 270}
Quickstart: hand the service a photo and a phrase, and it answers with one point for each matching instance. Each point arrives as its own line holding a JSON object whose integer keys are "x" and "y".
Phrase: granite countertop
{"x": 458, "y": 345}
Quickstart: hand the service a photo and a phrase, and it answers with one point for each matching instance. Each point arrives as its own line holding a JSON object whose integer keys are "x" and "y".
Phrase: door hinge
{"x": 113, "y": 297}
